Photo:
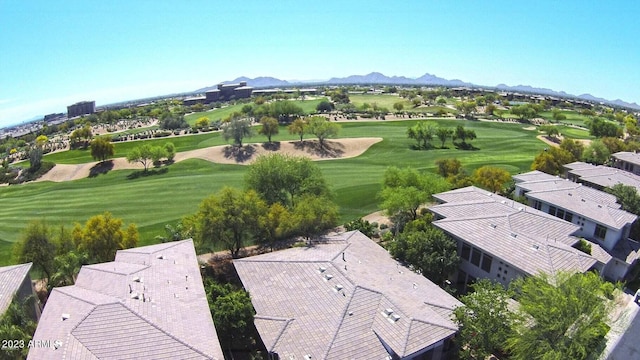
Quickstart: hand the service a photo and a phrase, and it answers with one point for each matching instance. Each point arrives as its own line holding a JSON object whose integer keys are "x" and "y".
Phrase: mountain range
{"x": 376, "y": 78}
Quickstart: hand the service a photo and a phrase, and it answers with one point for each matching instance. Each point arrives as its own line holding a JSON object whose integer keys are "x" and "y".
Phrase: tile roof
{"x": 590, "y": 203}
{"x": 11, "y": 277}
{"x": 149, "y": 303}
{"x": 521, "y": 235}
{"x": 534, "y": 175}
{"x": 328, "y": 300}
{"x": 577, "y": 165}
{"x": 630, "y": 157}
{"x": 605, "y": 176}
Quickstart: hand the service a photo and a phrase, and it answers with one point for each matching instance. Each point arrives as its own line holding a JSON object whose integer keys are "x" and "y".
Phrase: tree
{"x": 567, "y": 313}
{"x": 599, "y": 127}
{"x": 430, "y": 252}
{"x": 237, "y": 129}
{"x": 423, "y": 133}
{"x": 172, "y": 121}
{"x": 551, "y": 160}
{"x": 362, "y": 225}
{"x": 468, "y": 108}
{"x": 142, "y": 154}
{"x": 574, "y": 147}
{"x": 490, "y": 109}
{"x": 35, "y": 246}
{"x": 102, "y": 236}
{"x": 491, "y": 178}
{"x": 17, "y": 324}
{"x": 35, "y": 158}
{"x": 443, "y": 134}
{"x": 232, "y": 312}
{"x": 102, "y": 148}
{"x": 448, "y": 167}
{"x": 170, "y": 150}
{"x": 614, "y": 145}
{"x": 627, "y": 196}
{"x": 558, "y": 115}
{"x": 269, "y": 127}
{"x": 157, "y": 154}
{"x": 202, "y": 122}
{"x": 67, "y": 266}
{"x": 398, "y": 106}
{"x": 550, "y": 130}
{"x": 339, "y": 96}
{"x": 485, "y": 321}
{"x": 80, "y": 137}
{"x": 404, "y": 190}
{"x": 463, "y": 134}
{"x": 324, "y": 106}
{"x": 284, "y": 111}
{"x": 276, "y": 225}
{"x": 283, "y": 179}
{"x": 312, "y": 215}
{"x": 230, "y": 218}
{"x": 322, "y": 129}
{"x": 298, "y": 127}
{"x": 596, "y": 153}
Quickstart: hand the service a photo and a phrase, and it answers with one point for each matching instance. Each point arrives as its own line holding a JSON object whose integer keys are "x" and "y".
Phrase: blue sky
{"x": 55, "y": 53}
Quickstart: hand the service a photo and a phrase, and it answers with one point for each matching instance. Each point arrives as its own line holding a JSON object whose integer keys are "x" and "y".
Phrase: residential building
{"x": 598, "y": 215}
{"x": 81, "y": 108}
{"x": 600, "y": 177}
{"x": 15, "y": 281}
{"x": 627, "y": 161}
{"x": 501, "y": 240}
{"x": 344, "y": 297}
{"x": 149, "y": 303}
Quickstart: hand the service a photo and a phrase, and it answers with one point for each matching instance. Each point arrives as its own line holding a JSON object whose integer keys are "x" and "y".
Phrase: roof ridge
{"x": 89, "y": 267}
{"x": 60, "y": 289}
{"x": 143, "y": 319}
{"x": 286, "y": 325}
{"x": 434, "y": 324}
{"x": 335, "y": 334}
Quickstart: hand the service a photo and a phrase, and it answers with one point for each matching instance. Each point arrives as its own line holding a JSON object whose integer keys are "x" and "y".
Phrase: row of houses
{"x": 226, "y": 92}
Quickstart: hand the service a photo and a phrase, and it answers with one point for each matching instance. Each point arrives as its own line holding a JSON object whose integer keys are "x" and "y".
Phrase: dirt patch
{"x": 556, "y": 143}
{"x": 529, "y": 128}
{"x": 333, "y": 149}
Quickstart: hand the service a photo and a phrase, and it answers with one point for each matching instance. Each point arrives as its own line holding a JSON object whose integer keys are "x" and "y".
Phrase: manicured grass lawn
{"x": 382, "y": 100}
{"x": 574, "y": 133}
{"x": 573, "y": 117}
{"x": 156, "y": 200}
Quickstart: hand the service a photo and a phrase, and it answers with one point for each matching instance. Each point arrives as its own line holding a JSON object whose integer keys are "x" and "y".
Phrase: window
{"x": 466, "y": 251}
{"x": 537, "y": 205}
{"x": 486, "y": 263}
{"x": 560, "y": 213}
{"x": 600, "y": 232}
{"x": 552, "y": 210}
{"x": 475, "y": 257}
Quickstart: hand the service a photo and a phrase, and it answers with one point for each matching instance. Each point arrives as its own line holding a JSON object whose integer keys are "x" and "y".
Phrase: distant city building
{"x": 226, "y": 92}
{"x": 81, "y": 108}
{"x": 53, "y": 117}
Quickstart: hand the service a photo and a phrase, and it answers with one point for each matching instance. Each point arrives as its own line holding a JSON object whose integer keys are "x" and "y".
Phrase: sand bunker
{"x": 333, "y": 149}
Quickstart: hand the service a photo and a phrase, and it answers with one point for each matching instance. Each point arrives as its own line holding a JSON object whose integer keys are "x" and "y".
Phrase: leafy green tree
{"x": 237, "y": 129}
{"x": 430, "y": 252}
{"x": 172, "y": 121}
{"x": 36, "y": 246}
{"x": 298, "y": 127}
{"x": 230, "y": 218}
{"x": 599, "y": 127}
{"x": 35, "y": 158}
{"x": 276, "y": 225}
{"x": 102, "y": 148}
{"x": 142, "y": 154}
{"x": 574, "y": 147}
{"x": 322, "y": 128}
{"x": 398, "y": 106}
{"x": 468, "y": 108}
{"x": 404, "y": 190}
{"x": 157, "y": 154}
{"x": 525, "y": 111}
{"x": 284, "y": 111}
{"x": 312, "y": 215}
{"x": 324, "y": 106}
{"x": 551, "y": 160}
{"x": 567, "y": 313}
{"x": 339, "y": 96}
{"x": 596, "y": 153}
{"x": 17, "y": 323}
{"x": 485, "y": 321}
{"x": 170, "y": 150}
{"x": 550, "y": 130}
{"x": 80, "y": 137}
{"x": 269, "y": 127}
{"x": 102, "y": 236}
{"x": 462, "y": 134}
{"x": 558, "y": 115}
{"x": 362, "y": 225}
{"x": 201, "y": 122}
{"x": 490, "y": 109}
{"x": 232, "y": 312}
{"x": 423, "y": 133}
{"x": 67, "y": 266}
{"x": 627, "y": 196}
{"x": 448, "y": 167}
{"x": 283, "y": 179}
{"x": 443, "y": 134}
{"x": 491, "y": 178}
{"x": 614, "y": 145}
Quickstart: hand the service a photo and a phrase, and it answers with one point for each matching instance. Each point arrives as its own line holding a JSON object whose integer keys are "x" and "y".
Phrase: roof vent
{"x": 65, "y": 316}
{"x": 307, "y": 357}
{"x": 338, "y": 287}
{"x": 160, "y": 257}
{"x": 520, "y": 209}
{"x": 503, "y": 202}
{"x": 514, "y": 235}
{"x": 137, "y": 279}
{"x": 600, "y": 206}
{"x": 394, "y": 317}
{"x": 387, "y": 312}
{"x": 328, "y": 277}
{"x": 583, "y": 200}
{"x": 493, "y": 225}
{"x": 135, "y": 296}
{"x": 535, "y": 247}
{"x": 570, "y": 194}
{"x": 322, "y": 269}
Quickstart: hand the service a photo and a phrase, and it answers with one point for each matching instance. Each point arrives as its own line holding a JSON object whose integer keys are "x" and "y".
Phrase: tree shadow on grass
{"x": 142, "y": 173}
{"x": 327, "y": 150}
{"x": 238, "y": 153}
{"x": 100, "y": 168}
{"x": 272, "y": 146}
{"x": 465, "y": 146}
